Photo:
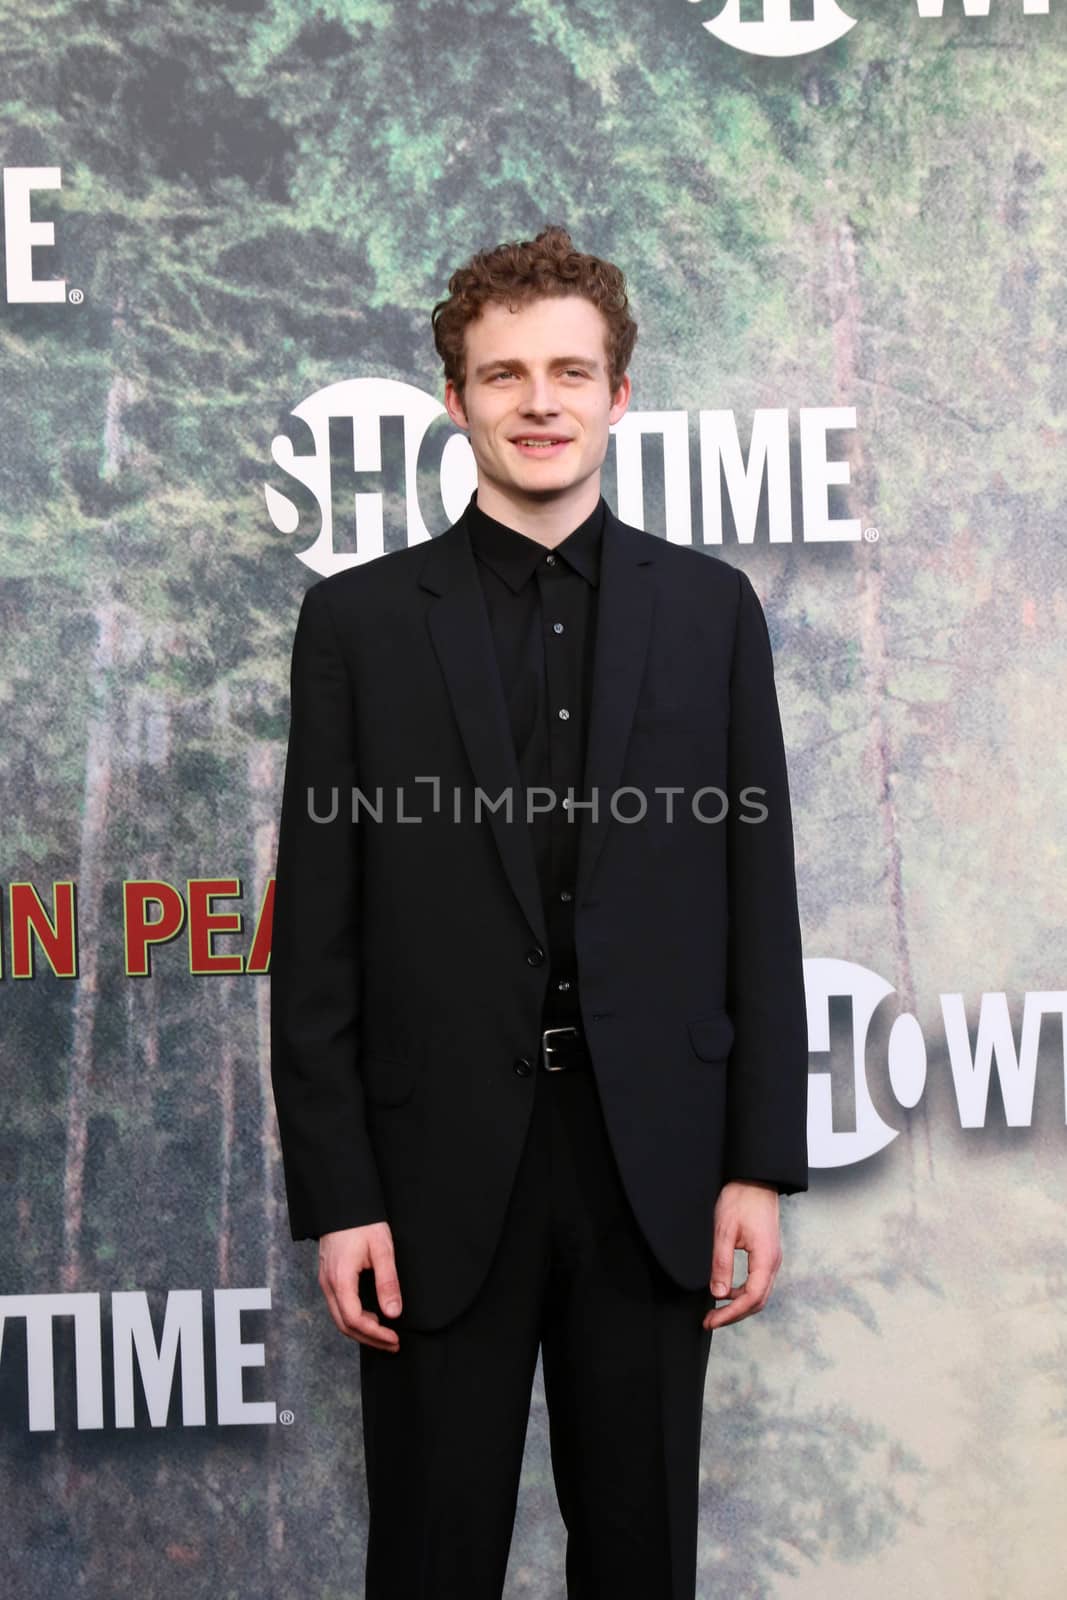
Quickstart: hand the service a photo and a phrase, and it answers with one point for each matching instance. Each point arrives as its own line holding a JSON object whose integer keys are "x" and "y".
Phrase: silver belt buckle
{"x": 546, "y": 1047}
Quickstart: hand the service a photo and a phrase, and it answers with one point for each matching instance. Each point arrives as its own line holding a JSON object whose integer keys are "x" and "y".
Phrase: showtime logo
{"x": 855, "y": 1097}
{"x": 135, "y": 1355}
{"x": 779, "y": 32}
{"x": 382, "y": 455}
{"x": 777, "y": 27}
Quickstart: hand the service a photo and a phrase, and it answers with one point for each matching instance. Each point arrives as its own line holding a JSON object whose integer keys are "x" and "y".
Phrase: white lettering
{"x": 979, "y": 8}
{"x": 231, "y": 1356}
{"x": 674, "y": 427}
{"x": 721, "y": 462}
{"x": 818, "y": 472}
{"x": 133, "y": 1342}
{"x": 778, "y": 32}
{"x": 1016, "y": 1072}
{"x": 22, "y": 234}
{"x": 183, "y": 1329}
{"x": 40, "y": 1311}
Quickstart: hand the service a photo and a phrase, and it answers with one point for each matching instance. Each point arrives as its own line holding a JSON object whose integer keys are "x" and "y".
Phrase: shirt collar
{"x": 514, "y": 556}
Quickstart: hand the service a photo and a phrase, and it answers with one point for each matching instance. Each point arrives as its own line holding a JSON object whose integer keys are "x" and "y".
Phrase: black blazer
{"x": 409, "y": 966}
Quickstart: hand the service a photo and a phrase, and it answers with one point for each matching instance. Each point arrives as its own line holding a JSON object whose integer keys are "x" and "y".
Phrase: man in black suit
{"x": 539, "y": 1043}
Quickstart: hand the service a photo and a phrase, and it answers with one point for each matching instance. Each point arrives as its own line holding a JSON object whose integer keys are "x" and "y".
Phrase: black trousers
{"x": 624, "y": 1358}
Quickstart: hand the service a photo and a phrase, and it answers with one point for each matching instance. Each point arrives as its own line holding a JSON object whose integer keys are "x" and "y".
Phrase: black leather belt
{"x": 564, "y": 1049}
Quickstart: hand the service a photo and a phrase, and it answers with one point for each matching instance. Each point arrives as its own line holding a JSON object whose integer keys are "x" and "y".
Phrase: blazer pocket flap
{"x": 386, "y": 1082}
{"x": 712, "y": 1036}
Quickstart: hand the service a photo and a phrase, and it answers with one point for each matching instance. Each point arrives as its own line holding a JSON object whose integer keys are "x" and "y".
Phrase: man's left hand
{"x": 746, "y": 1218}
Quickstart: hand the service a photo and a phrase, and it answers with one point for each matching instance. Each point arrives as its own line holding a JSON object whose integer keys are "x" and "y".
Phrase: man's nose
{"x": 539, "y": 395}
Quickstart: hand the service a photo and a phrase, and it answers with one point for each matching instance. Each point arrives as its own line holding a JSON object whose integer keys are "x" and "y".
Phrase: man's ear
{"x": 454, "y": 405}
{"x": 620, "y": 399}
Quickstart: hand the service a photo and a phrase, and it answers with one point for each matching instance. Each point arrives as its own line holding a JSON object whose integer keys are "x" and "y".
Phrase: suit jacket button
{"x": 535, "y": 956}
{"x": 523, "y": 1067}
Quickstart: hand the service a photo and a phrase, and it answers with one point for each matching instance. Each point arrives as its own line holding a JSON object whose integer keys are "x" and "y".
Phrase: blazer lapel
{"x": 462, "y": 638}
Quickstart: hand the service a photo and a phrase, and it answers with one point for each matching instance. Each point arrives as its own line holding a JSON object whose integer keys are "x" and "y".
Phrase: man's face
{"x": 541, "y": 370}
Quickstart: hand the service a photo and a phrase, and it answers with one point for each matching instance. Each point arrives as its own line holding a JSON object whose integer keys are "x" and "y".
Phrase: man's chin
{"x": 544, "y": 483}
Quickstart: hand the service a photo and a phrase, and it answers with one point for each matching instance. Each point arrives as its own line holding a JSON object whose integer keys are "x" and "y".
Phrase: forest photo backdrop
{"x": 853, "y": 254}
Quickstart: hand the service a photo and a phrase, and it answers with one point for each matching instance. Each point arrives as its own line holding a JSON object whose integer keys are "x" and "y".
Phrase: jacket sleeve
{"x": 767, "y": 1073}
{"x": 331, "y": 1177}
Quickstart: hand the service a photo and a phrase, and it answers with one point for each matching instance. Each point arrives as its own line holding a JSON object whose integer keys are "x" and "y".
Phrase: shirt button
{"x": 565, "y": 894}
{"x": 550, "y": 561}
{"x": 523, "y": 1067}
{"x": 564, "y": 983}
{"x": 535, "y": 956}
{"x": 557, "y": 627}
{"x": 564, "y": 714}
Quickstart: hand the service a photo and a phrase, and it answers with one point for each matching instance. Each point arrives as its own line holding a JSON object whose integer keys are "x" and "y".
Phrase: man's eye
{"x": 575, "y": 372}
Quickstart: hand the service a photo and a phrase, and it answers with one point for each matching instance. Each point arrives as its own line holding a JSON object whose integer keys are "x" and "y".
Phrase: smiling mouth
{"x": 539, "y": 444}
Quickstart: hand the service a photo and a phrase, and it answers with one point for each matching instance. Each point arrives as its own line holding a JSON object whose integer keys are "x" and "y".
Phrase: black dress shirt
{"x": 542, "y": 607}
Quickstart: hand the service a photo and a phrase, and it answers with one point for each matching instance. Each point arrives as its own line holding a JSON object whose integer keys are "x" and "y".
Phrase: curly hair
{"x": 516, "y": 273}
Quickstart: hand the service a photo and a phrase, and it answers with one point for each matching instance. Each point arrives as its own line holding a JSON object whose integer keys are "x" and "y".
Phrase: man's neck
{"x": 549, "y": 521}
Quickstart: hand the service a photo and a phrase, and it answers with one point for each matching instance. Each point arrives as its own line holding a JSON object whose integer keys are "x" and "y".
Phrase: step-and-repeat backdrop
{"x": 224, "y": 228}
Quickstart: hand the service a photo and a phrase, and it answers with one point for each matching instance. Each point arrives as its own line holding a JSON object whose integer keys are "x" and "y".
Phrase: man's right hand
{"x": 342, "y": 1257}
